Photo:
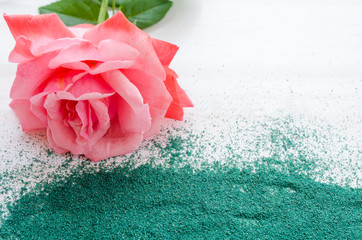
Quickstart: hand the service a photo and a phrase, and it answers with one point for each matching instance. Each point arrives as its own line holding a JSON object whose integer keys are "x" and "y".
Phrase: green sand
{"x": 166, "y": 203}
{"x": 274, "y": 198}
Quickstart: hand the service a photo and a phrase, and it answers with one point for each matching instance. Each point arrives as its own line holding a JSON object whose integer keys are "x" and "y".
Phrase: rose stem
{"x": 113, "y": 5}
{"x": 102, "y": 11}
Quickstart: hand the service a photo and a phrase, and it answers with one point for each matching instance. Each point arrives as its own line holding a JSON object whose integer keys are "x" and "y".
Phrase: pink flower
{"x": 97, "y": 90}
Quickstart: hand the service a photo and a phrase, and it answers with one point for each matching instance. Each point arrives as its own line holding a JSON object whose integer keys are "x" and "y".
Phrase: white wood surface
{"x": 244, "y": 64}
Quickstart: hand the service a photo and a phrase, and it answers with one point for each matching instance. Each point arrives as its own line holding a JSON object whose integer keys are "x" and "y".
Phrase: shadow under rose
{"x": 154, "y": 202}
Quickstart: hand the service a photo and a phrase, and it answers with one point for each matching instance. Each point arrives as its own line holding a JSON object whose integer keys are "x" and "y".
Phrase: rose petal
{"x": 164, "y": 50}
{"x": 37, "y": 106}
{"x": 65, "y": 137}
{"x": 101, "y": 111}
{"x": 175, "y": 111}
{"x": 90, "y": 84}
{"x": 111, "y": 65}
{"x": 111, "y": 50}
{"x": 80, "y": 29}
{"x": 27, "y": 119}
{"x": 83, "y": 112}
{"x": 38, "y": 30}
{"x": 43, "y": 27}
{"x": 75, "y": 66}
{"x": 120, "y": 29}
{"x": 117, "y": 28}
{"x": 62, "y": 80}
{"x": 137, "y": 117}
{"x": 154, "y": 93}
{"x": 30, "y": 76}
{"x": 178, "y": 94}
{"x": 114, "y": 143}
{"x": 57, "y": 45}
{"x": 81, "y": 140}
{"x": 52, "y": 143}
{"x": 157, "y": 121}
{"x": 53, "y": 104}
{"x": 76, "y": 136}
{"x": 107, "y": 50}
{"x": 54, "y": 108}
{"x": 70, "y": 138}
{"x": 107, "y": 147}
{"x": 102, "y": 125}
{"x": 24, "y": 49}
{"x": 87, "y": 96}
{"x": 21, "y": 52}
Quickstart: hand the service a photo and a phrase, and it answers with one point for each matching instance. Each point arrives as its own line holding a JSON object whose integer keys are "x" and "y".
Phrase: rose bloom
{"x": 97, "y": 90}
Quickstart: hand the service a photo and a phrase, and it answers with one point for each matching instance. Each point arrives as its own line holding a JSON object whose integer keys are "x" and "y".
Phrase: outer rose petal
{"x": 117, "y": 28}
{"x": 43, "y": 27}
{"x": 52, "y": 143}
{"x": 107, "y": 50}
{"x": 21, "y": 52}
{"x": 155, "y": 94}
{"x": 180, "y": 99}
{"x": 27, "y": 119}
{"x": 37, "y": 106}
{"x": 178, "y": 94}
{"x": 30, "y": 76}
{"x": 164, "y": 50}
{"x": 57, "y": 45}
{"x": 110, "y": 147}
{"x": 80, "y": 29}
{"x": 39, "y": 29}
{"x": 120, "y": 29}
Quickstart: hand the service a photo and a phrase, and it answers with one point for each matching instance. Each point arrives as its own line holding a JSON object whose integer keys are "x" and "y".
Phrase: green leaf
{"x": 74, "y": 12}
{"x": 144, "y": 13}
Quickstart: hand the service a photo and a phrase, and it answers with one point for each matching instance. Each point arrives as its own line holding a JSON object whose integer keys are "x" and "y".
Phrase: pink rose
{"x": 97, "y": 90}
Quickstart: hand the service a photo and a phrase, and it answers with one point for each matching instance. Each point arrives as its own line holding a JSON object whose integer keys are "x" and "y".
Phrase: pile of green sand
{"x": 168, "y": 203}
